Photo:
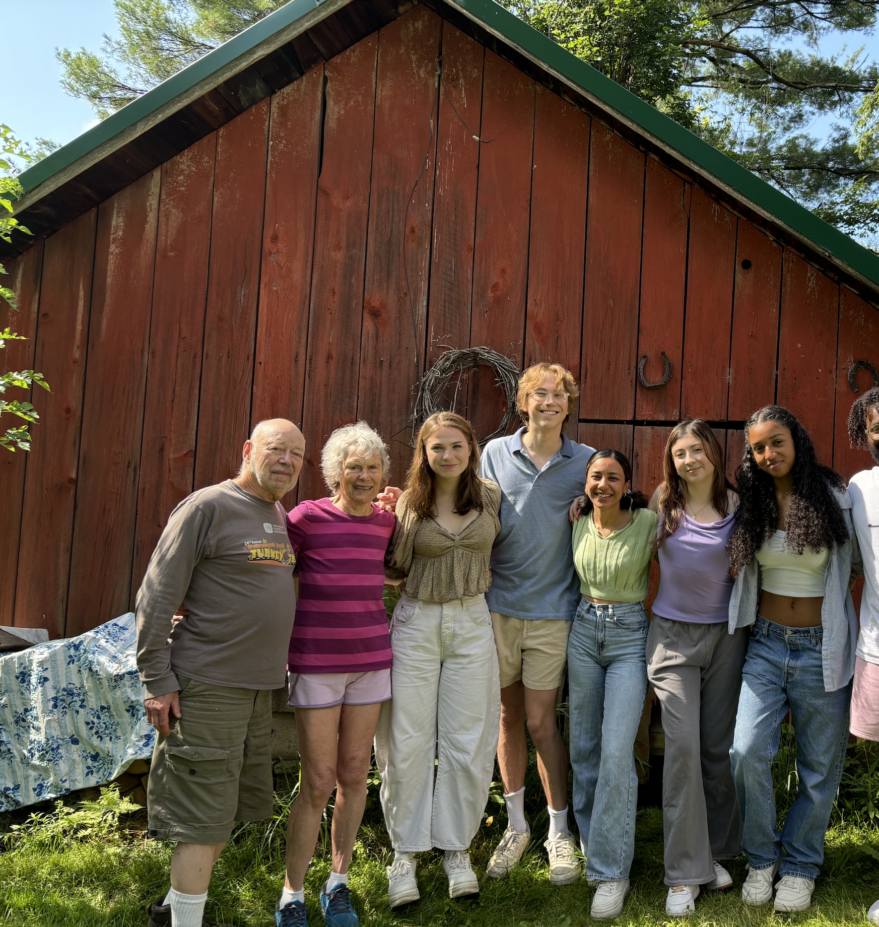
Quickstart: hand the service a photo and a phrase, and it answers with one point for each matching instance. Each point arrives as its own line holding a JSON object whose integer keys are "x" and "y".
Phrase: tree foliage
{"x": 14, "y": 436}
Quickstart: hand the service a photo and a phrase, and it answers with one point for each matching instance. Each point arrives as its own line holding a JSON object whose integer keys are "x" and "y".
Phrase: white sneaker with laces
{"x": 681, "y": 900}
{"x": 564, "y": 867}
{"x": 508, "y": 852}
{"x": 608, "y": 899}
{"x": 873, "y": 913}
{"x": 402, "y": 887}
{"x": 462, "y": 878}
{"x": 794, "y": 893}
{"x": 722, "y": 879}
{"x": 757, "y": 887}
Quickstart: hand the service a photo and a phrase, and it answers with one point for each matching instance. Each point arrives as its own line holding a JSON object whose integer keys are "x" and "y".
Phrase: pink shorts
{"x": 326, "y": 690}
{"x": 865, "y": 701}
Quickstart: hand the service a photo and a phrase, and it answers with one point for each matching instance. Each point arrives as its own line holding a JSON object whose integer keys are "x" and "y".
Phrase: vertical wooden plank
{"x": 807, "y": 350}
{"x": 339, "y": 254}
{"x": 502, "y": 219}
{"x": 454, "y": 210}
{"x": 233, "y": 289}
{"x": 24, "y": 273}
{"x": 288, "y": 243}
{"x": 112, "y": 420}
{"x": 554, "y": 317}
{"x": 705, "y": 369}
{"x": 600, "y": 436}
{"x": 53, "y": 464}
{"x": 398, "y": 245}
{"x": 647, "y": 463}
{"x": 735, "y": 449}
{"x": 754, "y": 353}
{"x": 858, "y": 340}
{"x": 663, "y": 286}
{"x": 176, "y": 341}
{"x": 613, "y": 277}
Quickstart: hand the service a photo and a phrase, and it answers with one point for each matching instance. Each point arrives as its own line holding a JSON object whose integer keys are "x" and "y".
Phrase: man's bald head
{"x": 272, "y": 459}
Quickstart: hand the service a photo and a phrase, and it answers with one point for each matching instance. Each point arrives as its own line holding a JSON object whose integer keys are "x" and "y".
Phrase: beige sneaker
{"x": 509, "y": 851}
{"x": 564, "y": 867}
{"x": 462, "y": 878}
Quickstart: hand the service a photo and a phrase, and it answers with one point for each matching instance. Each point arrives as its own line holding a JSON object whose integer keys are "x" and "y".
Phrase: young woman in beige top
{"x": 437, "y": 737}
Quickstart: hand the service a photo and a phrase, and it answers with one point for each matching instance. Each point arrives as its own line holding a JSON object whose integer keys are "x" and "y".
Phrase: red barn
{"x": 298, "y": 223}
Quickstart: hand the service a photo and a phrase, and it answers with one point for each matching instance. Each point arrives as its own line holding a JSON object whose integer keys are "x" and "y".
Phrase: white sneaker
{"x": 873, "y": 913}
{"x": 508, "y": 852}
{"x": 722, "y": 879}
{"x": 462, "y": 878}
{"x": 402, "y": 887}
{"x": 564, "y": 867}
{"x": 608, "y": 899}
{"x": 757, "y": 887}
{"x": 794, "y": 893}
{"x": 681, "y": 900}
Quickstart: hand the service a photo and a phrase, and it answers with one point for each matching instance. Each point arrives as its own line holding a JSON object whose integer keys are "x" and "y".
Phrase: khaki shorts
{"x": 533, "y": 650}
{"x": 215, "y": 767}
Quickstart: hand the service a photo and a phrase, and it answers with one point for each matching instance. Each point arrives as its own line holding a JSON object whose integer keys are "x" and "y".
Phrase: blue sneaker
{"x": 291, "y": 915}
{"x": 337, "y": 907}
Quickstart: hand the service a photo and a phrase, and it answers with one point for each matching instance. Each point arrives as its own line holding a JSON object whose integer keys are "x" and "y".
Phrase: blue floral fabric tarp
{"x": 71, "y": 714}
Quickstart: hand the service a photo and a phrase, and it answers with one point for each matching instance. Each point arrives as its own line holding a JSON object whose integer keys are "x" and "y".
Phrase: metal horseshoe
{"x": 666, "y": 375}
{"x": 861, "y": 365}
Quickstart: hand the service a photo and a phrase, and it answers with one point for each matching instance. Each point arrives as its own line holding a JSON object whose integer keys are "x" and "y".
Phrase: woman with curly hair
{"x": 437, "y": 737}
{"x": 791, "y": 552}
{"x": 613, "y": 545}
{"x": 863, "y": 432}
{"x": 694, "y": 666}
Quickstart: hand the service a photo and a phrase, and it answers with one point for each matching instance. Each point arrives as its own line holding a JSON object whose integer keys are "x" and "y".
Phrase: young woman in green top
{"x": 614, "y": 542}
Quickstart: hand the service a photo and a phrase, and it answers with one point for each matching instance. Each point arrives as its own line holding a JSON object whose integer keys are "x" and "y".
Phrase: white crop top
{"x": 784, "y": 572}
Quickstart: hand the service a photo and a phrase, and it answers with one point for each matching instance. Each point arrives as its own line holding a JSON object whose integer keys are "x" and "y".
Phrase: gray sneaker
{"x": 564, "y": 867}
{"x": 509, "y": 851}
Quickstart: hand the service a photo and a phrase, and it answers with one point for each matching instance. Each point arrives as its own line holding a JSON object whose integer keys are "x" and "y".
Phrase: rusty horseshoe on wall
{"x": 666, "y": 374}
{"x": 861, "y": 365}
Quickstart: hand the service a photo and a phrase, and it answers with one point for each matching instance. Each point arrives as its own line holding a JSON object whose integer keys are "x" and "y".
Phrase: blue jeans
{"x": 606, "y": 666}
{"x": 783, "y": 670}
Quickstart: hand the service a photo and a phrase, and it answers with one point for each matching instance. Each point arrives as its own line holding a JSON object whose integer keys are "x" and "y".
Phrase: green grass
{"x": 98, "y": 868}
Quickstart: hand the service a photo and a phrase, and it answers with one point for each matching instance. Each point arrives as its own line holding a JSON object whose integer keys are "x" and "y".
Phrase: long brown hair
{"x": 420, "y": 486}
{"x": 671, "y": 491}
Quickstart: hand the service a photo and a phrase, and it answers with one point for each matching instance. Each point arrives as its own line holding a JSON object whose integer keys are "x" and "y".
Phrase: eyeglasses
{"x": 541, "y": 395}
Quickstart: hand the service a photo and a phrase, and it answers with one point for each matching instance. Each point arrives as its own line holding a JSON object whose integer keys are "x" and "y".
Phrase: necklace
{"x": 695, "y": 515}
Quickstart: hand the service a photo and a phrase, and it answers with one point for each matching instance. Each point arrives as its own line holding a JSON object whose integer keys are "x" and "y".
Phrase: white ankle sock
{"x": 406, "y": 857}
{"x": 289, "y": 895}
{"x": 558, "y": 823}
{"x": 186, "y": 910}
{"x": 516, "y": 810}
{"x": 336, "y": 878}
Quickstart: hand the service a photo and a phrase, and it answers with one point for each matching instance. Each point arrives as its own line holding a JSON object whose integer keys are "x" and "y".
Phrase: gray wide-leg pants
{"x": 696, "y": 671}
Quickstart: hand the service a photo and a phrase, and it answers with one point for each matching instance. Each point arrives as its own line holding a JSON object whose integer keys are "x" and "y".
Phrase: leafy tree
{"x": 156, "y": 39}
{"x": 13, "y": 436}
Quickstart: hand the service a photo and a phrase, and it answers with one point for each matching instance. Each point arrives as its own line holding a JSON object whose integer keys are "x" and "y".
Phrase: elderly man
{"x": 226, "y": 556}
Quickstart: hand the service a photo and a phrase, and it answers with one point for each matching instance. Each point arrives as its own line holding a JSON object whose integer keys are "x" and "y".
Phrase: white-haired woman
{"x": 339, "y": 662}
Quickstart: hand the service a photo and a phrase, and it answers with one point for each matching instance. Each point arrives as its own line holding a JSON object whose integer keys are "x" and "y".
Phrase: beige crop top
{"x": 784, "y": 572}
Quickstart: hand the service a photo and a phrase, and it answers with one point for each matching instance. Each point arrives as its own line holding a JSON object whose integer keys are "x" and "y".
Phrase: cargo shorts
{"x": 215, "y": 767}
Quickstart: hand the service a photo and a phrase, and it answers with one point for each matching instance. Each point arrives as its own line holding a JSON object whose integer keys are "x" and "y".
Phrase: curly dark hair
{"x": 857, "y": 418}
{"x": 814, "y": 520}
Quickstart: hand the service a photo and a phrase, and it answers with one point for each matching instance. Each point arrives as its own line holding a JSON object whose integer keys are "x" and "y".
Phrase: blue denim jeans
{"x": 783, "y": 671}
{"x": 606, "y": 667}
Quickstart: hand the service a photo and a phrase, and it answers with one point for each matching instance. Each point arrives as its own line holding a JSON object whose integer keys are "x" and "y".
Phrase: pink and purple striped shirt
{"x": 341, "y": 624}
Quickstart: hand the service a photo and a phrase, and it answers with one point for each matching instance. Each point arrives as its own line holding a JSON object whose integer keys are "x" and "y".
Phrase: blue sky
{"x": 37, "y": 107}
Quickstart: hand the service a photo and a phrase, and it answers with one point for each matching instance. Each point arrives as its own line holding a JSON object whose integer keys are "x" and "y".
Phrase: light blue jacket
{"x": 838, "y": 616}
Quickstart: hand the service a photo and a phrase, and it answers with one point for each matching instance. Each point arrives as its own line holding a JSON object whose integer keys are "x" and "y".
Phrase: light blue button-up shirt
{"x": 532, "y": 563}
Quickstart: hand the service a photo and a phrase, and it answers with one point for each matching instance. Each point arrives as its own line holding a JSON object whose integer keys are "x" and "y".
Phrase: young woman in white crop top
{"x": 791, "y": 553}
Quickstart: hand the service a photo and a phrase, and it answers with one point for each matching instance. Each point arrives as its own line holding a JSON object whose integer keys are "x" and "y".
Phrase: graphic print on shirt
{"x": 270, "y": 549}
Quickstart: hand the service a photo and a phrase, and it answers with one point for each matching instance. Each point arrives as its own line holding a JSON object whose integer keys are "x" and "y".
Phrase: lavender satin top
{"x": 695, "y": 582}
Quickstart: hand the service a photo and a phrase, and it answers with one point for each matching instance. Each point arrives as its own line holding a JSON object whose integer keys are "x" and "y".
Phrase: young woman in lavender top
{"x": 695, "y": 666}
{"x": 339, "y": 661}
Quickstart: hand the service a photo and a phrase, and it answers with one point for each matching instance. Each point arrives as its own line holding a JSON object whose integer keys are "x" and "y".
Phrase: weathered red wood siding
{"x": 262, "y": 272}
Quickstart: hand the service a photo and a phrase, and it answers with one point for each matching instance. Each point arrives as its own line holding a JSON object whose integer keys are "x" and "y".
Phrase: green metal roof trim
{"x": 671, "y": 136}
{"x": 762, "y": 195}
{"x": 166, "y": 92}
